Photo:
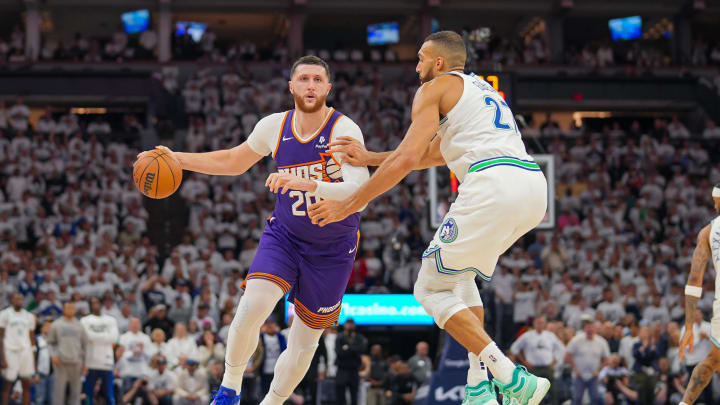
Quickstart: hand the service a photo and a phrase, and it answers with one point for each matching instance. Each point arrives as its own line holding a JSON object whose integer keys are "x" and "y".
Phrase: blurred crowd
{"x": 608, "y": 279}
{"x": 484, "y": 47}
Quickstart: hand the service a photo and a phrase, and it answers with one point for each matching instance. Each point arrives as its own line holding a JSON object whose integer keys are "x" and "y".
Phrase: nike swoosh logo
{"x": 353, "y": 249}
{"x": 286, "y": 139}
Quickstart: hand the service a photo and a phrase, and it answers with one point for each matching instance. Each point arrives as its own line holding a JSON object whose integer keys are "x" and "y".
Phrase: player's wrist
{"x": 313, "y": 185}
{"x": 179, "y": 157}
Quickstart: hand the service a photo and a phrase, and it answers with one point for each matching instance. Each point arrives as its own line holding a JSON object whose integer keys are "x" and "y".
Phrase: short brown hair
{"x": 310, "y": 60}
{"x": 450, "y": 45}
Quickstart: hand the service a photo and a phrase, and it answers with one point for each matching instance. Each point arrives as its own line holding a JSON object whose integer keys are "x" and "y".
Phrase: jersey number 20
{"x": 302, "y": 198}
{"x": 498, "y": 115}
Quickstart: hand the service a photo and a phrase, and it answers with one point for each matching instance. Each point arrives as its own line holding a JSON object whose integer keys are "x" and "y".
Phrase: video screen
{"x": 136, "y": 21}
{"x": 383, "y": 33}
{"x": 623, "y": 29}
{"x": 194, "y": 29}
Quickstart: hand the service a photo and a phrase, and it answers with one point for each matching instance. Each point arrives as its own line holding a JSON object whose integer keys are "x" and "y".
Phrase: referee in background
{"x": 540, "y": 350}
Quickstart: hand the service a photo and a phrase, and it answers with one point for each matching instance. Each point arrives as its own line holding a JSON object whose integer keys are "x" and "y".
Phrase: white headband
{"x": 716, "y": 192}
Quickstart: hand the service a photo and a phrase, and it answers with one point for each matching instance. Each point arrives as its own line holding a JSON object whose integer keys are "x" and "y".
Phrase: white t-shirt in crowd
{"x": 102, "y": 332}
{"x": 588, "y": 354}
{"x": 272, "y": 352}
{"x": 539, "y": 349}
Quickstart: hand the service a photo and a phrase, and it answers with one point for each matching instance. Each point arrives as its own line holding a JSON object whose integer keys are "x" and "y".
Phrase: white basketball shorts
{"x": 494, "y": 208}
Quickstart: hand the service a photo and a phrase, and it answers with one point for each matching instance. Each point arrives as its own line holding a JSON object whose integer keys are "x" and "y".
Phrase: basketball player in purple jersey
{"x": 294, "y": 255}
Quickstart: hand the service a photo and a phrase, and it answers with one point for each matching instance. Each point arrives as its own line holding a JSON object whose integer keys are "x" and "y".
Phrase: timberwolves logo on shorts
{"x": 448, "y": 231}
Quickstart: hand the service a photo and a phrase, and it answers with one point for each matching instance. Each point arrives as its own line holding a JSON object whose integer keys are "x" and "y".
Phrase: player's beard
{"x": 424, "y": 78}
{"x": 302, "y": 106}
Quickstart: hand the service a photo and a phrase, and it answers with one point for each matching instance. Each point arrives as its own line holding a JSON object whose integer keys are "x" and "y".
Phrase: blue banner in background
{"x": 378, "y": 309}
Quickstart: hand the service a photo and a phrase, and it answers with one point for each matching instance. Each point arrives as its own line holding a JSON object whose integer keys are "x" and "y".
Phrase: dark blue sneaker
{"x": 225, "y": 396}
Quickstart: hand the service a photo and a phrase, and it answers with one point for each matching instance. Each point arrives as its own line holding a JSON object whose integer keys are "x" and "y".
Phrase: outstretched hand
{"x": 282, "y": 182}
{"x": 353, "y": 151}
{"x": 162, "y": 149}
{"x": 687, "y": 341}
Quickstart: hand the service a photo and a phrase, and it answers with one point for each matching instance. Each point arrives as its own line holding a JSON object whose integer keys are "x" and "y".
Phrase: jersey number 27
{"x": 498, "y": 120}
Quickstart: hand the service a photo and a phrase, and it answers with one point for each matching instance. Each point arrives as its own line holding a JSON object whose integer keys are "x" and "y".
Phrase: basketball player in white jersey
{"x": 17, "y": 335}
{"x": 707, "y": 248}
{"x": 461, "y": 121}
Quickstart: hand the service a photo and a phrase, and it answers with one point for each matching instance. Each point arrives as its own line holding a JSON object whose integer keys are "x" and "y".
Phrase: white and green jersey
{"x": 715, "y": 249}
{"x": 480, "y": 131}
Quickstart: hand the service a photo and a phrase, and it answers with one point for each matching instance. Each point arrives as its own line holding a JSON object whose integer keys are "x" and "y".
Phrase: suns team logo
{"x": 326, "y": 169}
{"x": 448, "y": 231}
{"x": 331, "y": 168}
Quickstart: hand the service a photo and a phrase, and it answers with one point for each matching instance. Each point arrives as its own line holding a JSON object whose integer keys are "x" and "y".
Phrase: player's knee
{"x": 440, "y": 304}
{"x": 249, "y": 313}
{"x": 305, "y": 355}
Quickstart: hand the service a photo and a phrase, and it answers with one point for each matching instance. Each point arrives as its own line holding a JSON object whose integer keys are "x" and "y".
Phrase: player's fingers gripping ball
{"x": 156, "y": 173}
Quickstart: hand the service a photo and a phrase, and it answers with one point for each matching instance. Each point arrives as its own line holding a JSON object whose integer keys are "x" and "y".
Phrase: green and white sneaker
{"x": 524, "y": 389}
{"x": 481, "y": 394}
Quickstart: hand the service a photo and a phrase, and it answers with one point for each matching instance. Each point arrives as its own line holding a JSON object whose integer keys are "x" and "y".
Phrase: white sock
{"x": 683, "y": 403}
{"x": 478, "y": 371}
{"x": 273, "y": 399}
{"x": 233, "y": 377}
{"x": 500, "y": 366}
{"x": 255, "y": 306}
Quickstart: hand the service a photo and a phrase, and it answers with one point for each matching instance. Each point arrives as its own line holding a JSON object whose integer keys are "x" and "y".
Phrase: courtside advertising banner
{"x": 378, "y": 309}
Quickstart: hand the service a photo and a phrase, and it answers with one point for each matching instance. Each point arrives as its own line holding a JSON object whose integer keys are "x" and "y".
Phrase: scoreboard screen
{"x": 502, "y": 82}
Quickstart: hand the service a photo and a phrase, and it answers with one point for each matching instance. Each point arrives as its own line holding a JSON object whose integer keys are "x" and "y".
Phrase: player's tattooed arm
{"x": 700, "y": 258}
{"x": 701, "y": 376}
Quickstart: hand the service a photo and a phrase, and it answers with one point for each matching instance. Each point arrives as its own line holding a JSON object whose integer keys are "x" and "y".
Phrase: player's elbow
{"x": 407, "y": 160}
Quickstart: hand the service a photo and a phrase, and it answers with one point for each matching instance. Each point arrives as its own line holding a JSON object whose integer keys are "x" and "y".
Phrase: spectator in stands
{"x": 646, "y": 354}
{"x": 192, "y": 385}
{"x": 140, "y": 393}
{"x": 162, "y": 381}
{"x": 273, "y": 344}
{"x": 555, "y": 256}
{"x": 677, "y": 129}
{"x": 540, "y": 351}
{"x": 157, "y": 318}
{"x": 180, "y": 347}
{"x": 43, "y": 383}
{"x": 67, "y": 340}
{"x": 209, "y": 349}
{"x": 102, "y": 334}
{"x": 420, "y": 364}
{"x": 402, "y": 386}
{"x": 585, "y": 354}
{"x": 377, "y": 375}
{"x": 711, "y": 130}
{"x": 611, "y": 310}
{"x": 18, "y": 116}
{"x": 135, "y": 358}
{"x": 148, "y": 40}
{"x": 615, "y": 378}
{"x": 350, "y": 348}
{"x": 215, "y": 374}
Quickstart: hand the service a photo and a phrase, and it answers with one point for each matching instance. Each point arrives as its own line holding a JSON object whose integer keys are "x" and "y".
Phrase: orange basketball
{"x": 157, "y": 175}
